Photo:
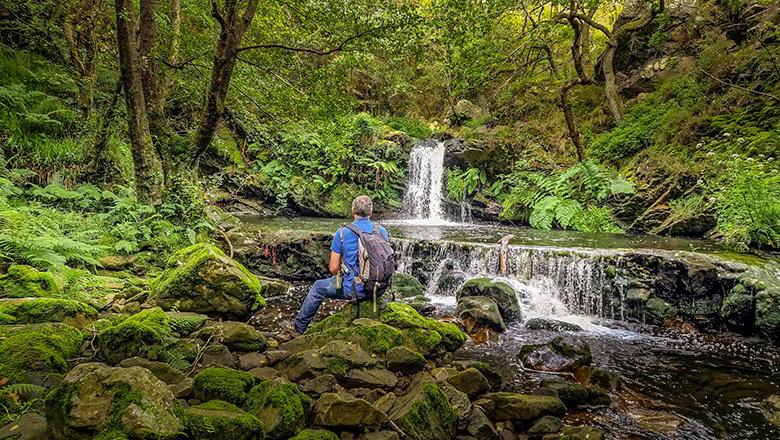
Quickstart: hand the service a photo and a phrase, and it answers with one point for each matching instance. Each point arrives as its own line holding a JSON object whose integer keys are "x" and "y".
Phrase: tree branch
{"x": 338, "y": 48}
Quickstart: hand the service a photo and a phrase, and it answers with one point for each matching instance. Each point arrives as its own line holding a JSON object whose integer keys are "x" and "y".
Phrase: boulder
{"x": 404, "y": 360}
{"x": 405, "y": 286}
{"x": 345, "y": 411}
{"x": 217, "y": 355}
{"x": 281, "y": 408}
{"x": 315, "y": 434}
{"x": 545, "y": 425}
{"x": 252, "y": 360}
{"x": 218, "y": 420}
{"x": 424, "y": 413}
{"x": 607, "y": 380}
{"x": 575, "y": 394}
{"x": 236, "y": 336}
{"x": 225, "y": 384}
{"x": 576, "y": 433}
{"x": 560, "y": 354}
{"x": 479, "y": 426}
{"x": 461, "y": 405}
{"x": 263, "y": 373}
{"x": 490, "y": 373}
{"x": 201, "y": 278}
{"x": 380, "y": 435}
{"x": 183, "y": 389}
{"x": 112, "y": 402}
{"x": 466, "y": 110}
{"x": 483, "y": 310}
{"x": 320, "y": 385}
{"x": 551, "y": 325}
{"x": 370, "y": 378}
{"x": 516, "y": 407}
{"x": 37, "y": 353}
{"x": 37, "y": 310}
{"x": 657, "y": 310}
{"x": 161, "y": 370}
{"x": 336, "y": 357}
{"x": 738, "y": 308}
{"x": 185, "y": 323}
{"x": 502, "y": 293}
{"x": 470, "y": 381}
{"x": 134, "y": 336}
{"x": 771, "y": 407}
{"x": 28, "y": 426}
{"x": 21, "y": 281}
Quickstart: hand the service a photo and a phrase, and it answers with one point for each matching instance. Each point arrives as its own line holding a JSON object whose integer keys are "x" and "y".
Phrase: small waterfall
{"x": 423, "y": 198}
{"x": 549, "y": 281}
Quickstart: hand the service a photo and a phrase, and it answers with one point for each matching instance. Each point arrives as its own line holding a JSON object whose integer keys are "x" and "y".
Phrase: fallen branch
{"x": 739, "y": 87}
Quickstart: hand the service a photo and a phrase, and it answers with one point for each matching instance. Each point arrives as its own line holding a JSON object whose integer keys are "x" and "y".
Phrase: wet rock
{"x": 404, "y": 360}
{"x": 380, "y": 435}
{"x": 161, "y": 370}
{"x": 575, "y": 394}
{"x": 236, "y": 336}
{"x": 658, "y": 310}
{"x": 606, "y": 379}
{"x": 459, "y": 400}
{"x": 320, "y": 385}
{"x": 217, "y": 420}
{"x": 217, "y": 355}
{"x": 29, "y": 426}
{"x": 551, "y": 325}
{"x": 224, "y": 384}
{"x": 344, "y": 410}
{"x": 738, "y": 309}
{"x": 470, "y": 381}
{"x": 771, "y": 407}
{"x": 94, "y": 396}
{"x": 405, "y": 286}
{"x": 480, "y": 427}
{"x": 281, "y": 408}
{"x": 545, "y": 425}
{"x": 252, "y": 360}
{"x": 523, "y": 407}
{"x": 656, "y": 421}
{"x": 576, "y": 433}
{"x": 202, "y": 279}
{"x": 290, "y": 255}
{"x": 37, "y": 353}
{"x": 502, "y": 293}
{"x": 494, "y": 379}
{"x": 560, "y": 354}
{"x": 182, "y": 389}
{"x": 483, "y": 310}
{"x": 424, "y": 413}
{"x": 263, "y": 373}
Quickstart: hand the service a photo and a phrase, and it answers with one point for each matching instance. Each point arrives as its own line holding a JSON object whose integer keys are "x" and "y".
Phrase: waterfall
{"x": 548, "y": 280}
{"x": 423, "y": 198}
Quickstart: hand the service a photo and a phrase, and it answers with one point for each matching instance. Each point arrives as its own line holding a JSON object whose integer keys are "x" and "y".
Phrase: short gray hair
{"x": 362, "y": 206}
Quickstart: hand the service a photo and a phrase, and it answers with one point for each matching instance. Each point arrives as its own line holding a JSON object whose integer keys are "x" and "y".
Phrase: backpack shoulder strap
{"x": 354, "y": 229}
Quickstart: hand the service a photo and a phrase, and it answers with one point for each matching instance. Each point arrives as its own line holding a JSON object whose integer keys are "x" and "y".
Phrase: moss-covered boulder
{"x": 343, "y": 410}
{"x": 405, "y": 286}
{"x": 21, "y": 281}
{"x": 404, "y": 360}
{"x": 37, "y": 353}
{"x": 424, "y": 413}
{"x": 502, "y": 293}
{"x": 218, "y": 420}
{"x": 515, "y": 407}
{"x": 280, "y": 407}
{"x": 37, "y": 310}
{"x": 185, "y": 323}
{"x": 202, "y": 279}
{"x": 315, "y": 434}
{"x": 560, "y": 354}
{"x": 657, "y": 311}
{"x": 161, "y": 370}
{"x": 768, "y": 311}
{"x": 470, "y": 381}
{"x": 98, "y": 401}
{"x": 483, "y": 311}
{"x": 403, "y": 316}
{"x": 575, "y": 394}
{"x": 135, "y": 335}
{"x": 738, "y": 309}
{"x": 336, "y": 357}
{"x": 235, "y": 336}
{"x": 223, "y": 384}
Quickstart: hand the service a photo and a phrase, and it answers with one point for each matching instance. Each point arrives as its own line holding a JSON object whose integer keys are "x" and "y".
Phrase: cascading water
{"x": 423, "y": 198}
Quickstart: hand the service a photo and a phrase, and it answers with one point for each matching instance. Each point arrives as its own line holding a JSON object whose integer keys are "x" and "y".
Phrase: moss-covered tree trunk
{"x": 148, "y": 166}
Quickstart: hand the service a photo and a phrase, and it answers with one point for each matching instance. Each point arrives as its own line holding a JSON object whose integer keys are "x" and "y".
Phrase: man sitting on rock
{"x": 343, "y": 265}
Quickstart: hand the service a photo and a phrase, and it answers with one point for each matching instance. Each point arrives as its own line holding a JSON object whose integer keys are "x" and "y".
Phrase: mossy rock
{"x": 768, "y": 312}
{"x": 202, "y": 279}
{"x": 658, "y": 310}
{"x": 403, "y": 316}
{"x": 218, "y": 420}
{"x": 226, "y": 384}
{"x": 37, "y": 310}
{"x": 185, "y": 323}
{"x": 102, "y": 402}
{"x": 424, "y": 413}
{"x": 315, "y": 434}
{"x": 235, "y": 336}
{"x": 280, "y": 407}
{"x": 23, "y": 281}
{"x": 575, "y": 394}
{"x": 502, "y": 293}
{"x": 517, "y": 407}
{"x": 405, "y": 286}
{"x": 37, "y": 353}
{"x": 738, "y": 309}
{"x": 135, "y": 335}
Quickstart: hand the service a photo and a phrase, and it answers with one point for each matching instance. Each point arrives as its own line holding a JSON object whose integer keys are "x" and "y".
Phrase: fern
{"x": 23, "y": 391}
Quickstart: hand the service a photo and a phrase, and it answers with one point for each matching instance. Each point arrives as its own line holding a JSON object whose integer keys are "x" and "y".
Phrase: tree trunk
{"x": 104, "y": 133}
{"x": 79, "y": 31}
{"x": 568, "y": 114}
{"x": 232, "y": 27}
{"x": 174, "y": 16}
{"x": 148, "y": 167}
{"x": 147, "y": 35}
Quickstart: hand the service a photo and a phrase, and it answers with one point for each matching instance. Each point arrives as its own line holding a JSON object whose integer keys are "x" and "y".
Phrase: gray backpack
{"x": 376, "y": 261}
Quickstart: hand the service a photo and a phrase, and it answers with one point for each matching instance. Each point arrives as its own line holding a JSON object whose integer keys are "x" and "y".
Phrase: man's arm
{"x": 335, "y": 262}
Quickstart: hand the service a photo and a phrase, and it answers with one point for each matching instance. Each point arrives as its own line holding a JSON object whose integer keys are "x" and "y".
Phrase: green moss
{"x": 315, "y": 434}
{"x": 26, "y": 281}
{"x": 658, "y": 310}
{"x": 404, "y": 316}
{"x": 337, "y": 366}
{"x": 134, "y": 335}
{"x": 220, "y": 420}
{"x": 30, "y": 349}
{"x": 768, "y": 312}
{"x": 433, "y": 407}
{"x": 223, "y": 384}
{"x": 45, "y": 310}
{"x": 405, "y": 286}
{"x": 280, "y": 407}
{"x": 339, "y": 202}
{"x": 423, "y": 340}
{"x": 372, "y": 336}
{"x": 186, "y": 323}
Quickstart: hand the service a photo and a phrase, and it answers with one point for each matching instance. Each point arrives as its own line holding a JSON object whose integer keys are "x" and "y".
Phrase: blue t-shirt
{"x": 349, "y": 252}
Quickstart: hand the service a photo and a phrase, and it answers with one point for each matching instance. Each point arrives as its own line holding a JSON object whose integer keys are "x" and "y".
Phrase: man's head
{"x": 362, "y": 206}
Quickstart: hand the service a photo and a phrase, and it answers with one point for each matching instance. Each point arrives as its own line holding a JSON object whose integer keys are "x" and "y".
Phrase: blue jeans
{"x": 320, "y": 290}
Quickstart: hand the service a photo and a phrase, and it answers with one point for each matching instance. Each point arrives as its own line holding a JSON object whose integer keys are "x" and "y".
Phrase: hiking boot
{"x": 287, "y": 332}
